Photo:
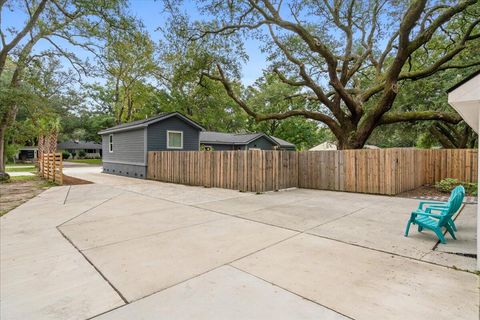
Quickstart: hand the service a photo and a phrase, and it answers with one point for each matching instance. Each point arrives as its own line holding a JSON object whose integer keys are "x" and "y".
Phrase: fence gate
{"x": 51, "y": 167}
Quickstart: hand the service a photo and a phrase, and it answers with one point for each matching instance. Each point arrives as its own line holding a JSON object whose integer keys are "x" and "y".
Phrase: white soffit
{"x": 465, "y": 98}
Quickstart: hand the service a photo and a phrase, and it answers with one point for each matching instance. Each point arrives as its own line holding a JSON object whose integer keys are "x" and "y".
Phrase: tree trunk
{"x": 3, "y": 129}
{"x": 349, "y": 139}
{"x": 52, "y": 141}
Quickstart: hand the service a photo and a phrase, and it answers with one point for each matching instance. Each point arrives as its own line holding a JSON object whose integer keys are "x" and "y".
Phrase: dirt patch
{"x": 71, "y": 181}
{"x": 16, "y": 192}
{"x": 423, "y": 191}
{"x": 21, "y": 189}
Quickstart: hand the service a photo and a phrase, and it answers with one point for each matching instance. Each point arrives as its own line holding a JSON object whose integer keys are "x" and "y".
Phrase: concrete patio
{"x": 126, "y": 248}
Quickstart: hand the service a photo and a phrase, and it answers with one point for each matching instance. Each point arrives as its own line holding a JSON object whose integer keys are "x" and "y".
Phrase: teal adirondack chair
{"x": 436, "y": 221}
{"x": 438, "y": 204}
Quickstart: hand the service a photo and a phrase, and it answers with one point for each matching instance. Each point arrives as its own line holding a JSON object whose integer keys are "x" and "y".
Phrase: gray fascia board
{"x": 138, "y": 126}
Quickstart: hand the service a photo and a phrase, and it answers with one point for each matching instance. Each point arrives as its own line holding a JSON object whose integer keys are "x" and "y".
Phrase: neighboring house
{"x": 125, "y": 146}
{"x": 324, "y": 146}
{"x": 91, "y": 149}
{"x": 27, "y": 154}
{"x": 219, "y": 141}
{"x": 330, "y": 146}
{"x": 284, "y": 145}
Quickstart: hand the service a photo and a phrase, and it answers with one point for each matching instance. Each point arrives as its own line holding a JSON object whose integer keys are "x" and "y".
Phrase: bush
{"x": 11, "y": 150}
{"x": 81, "y": 154}
{"x": 65, "y": 154}
{"x": 4, "y": 177}
{"x": 73, "y": 155}
{"x": 448, "y": 184}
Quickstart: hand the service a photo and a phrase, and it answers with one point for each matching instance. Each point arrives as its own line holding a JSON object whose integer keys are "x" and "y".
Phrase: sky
{"x": 150, "y": 12}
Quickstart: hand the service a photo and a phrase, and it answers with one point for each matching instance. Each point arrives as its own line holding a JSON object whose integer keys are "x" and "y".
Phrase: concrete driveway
{"x": 126, "y": 248}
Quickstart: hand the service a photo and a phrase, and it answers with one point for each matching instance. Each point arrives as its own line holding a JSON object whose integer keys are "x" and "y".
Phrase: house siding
{"x": 157, "y": 135}
{"x": 261, "y": 143}
{"x": 128, "y": 147}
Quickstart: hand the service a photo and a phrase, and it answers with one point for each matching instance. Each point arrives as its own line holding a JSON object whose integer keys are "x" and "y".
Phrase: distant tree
{"x": 187, "y": 91}
{"x": 128, "y": 63}
{"x": 269, "y": 95}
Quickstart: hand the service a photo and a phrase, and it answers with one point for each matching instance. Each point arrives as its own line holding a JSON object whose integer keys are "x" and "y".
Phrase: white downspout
{"x": 478, "y": 205}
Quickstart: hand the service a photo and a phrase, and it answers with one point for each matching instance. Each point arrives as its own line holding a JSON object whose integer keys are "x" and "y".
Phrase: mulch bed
{"x": 423, "y": 191}
{"x": 71, "y": 181}
{"x": 428, "y": 192}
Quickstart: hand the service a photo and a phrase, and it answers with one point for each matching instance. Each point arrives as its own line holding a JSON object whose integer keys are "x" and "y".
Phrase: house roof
{"x": 239, "y": 138}
{"x": 231, "y": 138}
{"x": 324, "y": 146}
{"x": 78, "y": 145}
{"x": 146, "y": 122}
{"x": 283, "y": 143}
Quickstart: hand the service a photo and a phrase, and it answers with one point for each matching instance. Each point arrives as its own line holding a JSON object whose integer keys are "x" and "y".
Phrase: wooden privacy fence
{"x": 380, "y": 171}
{"x": 256, "y": 171}
{"x": 51, "y": 167}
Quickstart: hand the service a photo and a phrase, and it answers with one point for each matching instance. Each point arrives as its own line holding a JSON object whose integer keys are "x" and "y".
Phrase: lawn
{"x": 21, "y": 168}
{"x": 88, "y": 161}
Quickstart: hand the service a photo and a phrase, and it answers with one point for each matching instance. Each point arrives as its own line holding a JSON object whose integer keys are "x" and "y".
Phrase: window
{"x": 174, "y": 140}
{"x": 110, "y": 143}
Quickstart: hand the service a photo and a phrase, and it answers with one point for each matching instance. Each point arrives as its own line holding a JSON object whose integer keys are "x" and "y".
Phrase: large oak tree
{"x": 349, "y": 57}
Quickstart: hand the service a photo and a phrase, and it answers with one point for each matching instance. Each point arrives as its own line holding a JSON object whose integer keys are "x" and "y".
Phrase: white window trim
{"x": 168, "y": 140}
{"x": 110, "y": 143}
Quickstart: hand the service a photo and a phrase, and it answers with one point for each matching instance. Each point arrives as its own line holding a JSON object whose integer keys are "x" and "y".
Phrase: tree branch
{"x": 330, "y": 122}
{"x": 26, "y": 29}
{"x": 394, "y": 117}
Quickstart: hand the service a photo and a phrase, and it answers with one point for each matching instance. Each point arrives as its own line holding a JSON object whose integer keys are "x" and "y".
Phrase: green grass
{"x": 47, "y": 184}
{"x": 18, "y": 169}
{"x": 24, "y": 178}
{"x": 89, "y": 161}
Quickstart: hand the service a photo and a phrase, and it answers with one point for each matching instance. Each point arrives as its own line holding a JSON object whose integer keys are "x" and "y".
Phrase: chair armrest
{"x": 423, "y": 213}
{"x": 442, "y": 211}
{"x": 438, "y": 203}
{"x": 436, "y": 208}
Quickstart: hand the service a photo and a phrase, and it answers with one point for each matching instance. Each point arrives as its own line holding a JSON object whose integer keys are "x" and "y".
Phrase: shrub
{"x": 81, "y": 154}
{"x": 448, "y": 184}
{"x": 471, "y": 188}
{"x": 73, "y": 155}
{"x": 11, "y": 151}
{"x": 4, "y": 177}
{"x": 65, "y": 154}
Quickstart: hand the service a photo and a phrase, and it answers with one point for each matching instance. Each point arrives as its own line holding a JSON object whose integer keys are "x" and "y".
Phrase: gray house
{"x": 236, "y": 141}
{"x": 91, "y": 149}
{"x": 125, "y": 146}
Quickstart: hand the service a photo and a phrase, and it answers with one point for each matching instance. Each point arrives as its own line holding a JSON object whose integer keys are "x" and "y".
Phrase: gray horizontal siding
{"x": 157, "y": 134}
{"x": 261, "y": 143}
{"x": 128, "y": 147}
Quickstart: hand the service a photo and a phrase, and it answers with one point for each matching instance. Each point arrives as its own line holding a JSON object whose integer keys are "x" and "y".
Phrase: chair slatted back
{"x": 454, "y": 203}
